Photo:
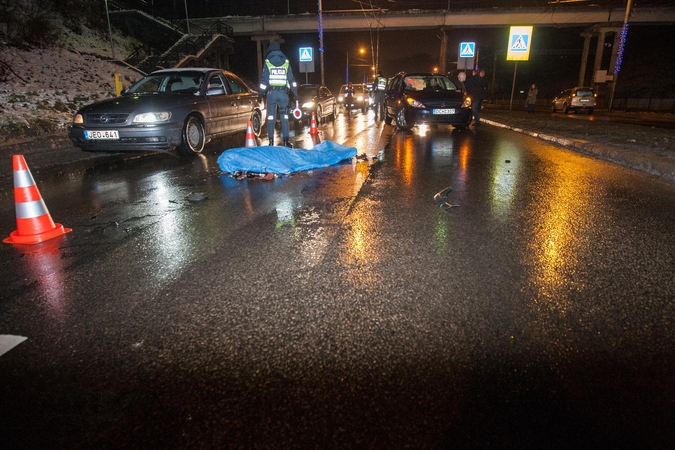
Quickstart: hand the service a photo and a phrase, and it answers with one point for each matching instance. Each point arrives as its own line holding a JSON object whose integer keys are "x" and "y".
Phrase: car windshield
{"x": 585, "y": 93}
{"x": 307, "y": 91}
{"x": 358, "y": 89}
{"x": 185, "y": 82}
{"x": 429, "y": 83}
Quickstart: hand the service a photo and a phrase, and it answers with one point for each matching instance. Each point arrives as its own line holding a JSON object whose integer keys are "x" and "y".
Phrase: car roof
{"x": 188, "y": 69}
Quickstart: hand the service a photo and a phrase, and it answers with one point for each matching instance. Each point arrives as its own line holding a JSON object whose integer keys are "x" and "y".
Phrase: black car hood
{"x": 131, "y": 103}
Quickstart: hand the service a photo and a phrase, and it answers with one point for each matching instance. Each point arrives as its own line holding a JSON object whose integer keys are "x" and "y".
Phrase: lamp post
{"x": 112, "y": 46}
{"x": 187, "y": 19}
{"x": 361, "y": 51}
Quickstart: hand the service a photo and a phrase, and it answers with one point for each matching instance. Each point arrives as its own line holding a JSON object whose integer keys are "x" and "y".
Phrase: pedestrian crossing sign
{"x": 467, "y": 49}
{"x": 520, "y": 40}
{"x": 306, "y": 54}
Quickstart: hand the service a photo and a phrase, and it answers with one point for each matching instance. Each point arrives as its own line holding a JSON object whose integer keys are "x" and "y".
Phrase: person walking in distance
{"x": 531, "y": 98}
{"x": 277, "y": 80}
{"x": 476, "y": 87}
{"x": 380, "y": 84}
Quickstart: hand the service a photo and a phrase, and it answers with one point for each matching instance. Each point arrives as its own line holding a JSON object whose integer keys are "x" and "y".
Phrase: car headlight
{"x": 152, "y": 117}
{"x": 78, "y": 119}
{"x": 340, "y": 99}
{"x": 414, "y": 103}
{"x": 359, "y": 98}
{"x": 308, "y": 104}
{"x": 467, "y": 102}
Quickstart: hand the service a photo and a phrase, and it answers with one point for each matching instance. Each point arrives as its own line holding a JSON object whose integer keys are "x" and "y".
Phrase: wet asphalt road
{"x": 348, "y": 307}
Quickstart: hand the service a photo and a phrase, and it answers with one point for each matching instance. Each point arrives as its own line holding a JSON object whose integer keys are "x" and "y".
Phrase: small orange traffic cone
{"x": 33, "y": 222}
{"x": 250, "y": 137}
{"x": 312, "y": 125}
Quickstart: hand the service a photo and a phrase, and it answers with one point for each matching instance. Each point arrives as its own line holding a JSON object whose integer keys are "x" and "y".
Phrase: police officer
{"x": 379, "y": 86}
{"x": 277, "y": 80}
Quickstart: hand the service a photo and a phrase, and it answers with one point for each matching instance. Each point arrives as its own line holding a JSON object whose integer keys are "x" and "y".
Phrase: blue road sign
{"x": 467, "y": 49}
{"x": 306, "y": 54}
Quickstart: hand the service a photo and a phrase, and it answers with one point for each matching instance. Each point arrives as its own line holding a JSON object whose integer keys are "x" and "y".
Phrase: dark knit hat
{"x": 273, "y": 47}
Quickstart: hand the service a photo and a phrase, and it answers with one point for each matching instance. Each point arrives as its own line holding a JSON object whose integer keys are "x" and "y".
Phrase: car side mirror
{"x": 215, "y": 90}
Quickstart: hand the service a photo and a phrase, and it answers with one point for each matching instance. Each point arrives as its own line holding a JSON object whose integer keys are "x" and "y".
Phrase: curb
{"x": 660, "y": 166}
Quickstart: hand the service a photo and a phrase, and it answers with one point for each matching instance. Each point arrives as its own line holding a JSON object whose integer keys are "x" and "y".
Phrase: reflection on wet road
{"x": 347, "y": 307}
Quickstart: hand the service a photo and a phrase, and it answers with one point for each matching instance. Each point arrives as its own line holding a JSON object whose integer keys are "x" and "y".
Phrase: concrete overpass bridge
{"x": 599, "y": 23}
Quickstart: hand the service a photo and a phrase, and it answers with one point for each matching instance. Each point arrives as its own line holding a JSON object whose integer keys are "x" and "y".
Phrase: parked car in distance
{"x": 170, "y": 108}
{"x": 413, "y": 98}
{"x": 575, "y": 99}
{"x": 318, "y": 100}
{"x": 361, "y": 98}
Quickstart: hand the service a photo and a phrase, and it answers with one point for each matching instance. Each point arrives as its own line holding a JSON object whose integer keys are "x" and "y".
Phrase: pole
{"x": 513, "y": 86}
{"x": 347, "y": 71}
{"x": 323, "y": 82}
{"x": 619, "y": 56}
{"x": 112, "y": 46}
{"x": 187, "y": 20}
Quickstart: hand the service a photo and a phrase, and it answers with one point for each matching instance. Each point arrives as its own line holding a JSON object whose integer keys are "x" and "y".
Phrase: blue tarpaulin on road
{"x": 283, "y": 160}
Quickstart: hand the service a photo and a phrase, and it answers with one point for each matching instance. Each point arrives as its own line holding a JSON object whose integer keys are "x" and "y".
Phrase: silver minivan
{"x": 575, "y": 99}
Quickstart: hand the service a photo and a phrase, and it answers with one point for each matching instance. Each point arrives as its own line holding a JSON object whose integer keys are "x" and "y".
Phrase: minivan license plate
{"x": 101, "y": 135}
{"x": 444, "y": 111}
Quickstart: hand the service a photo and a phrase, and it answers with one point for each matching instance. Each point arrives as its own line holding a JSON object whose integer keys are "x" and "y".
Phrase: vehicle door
{"x": 326, "y": 101}
{"x": 222, "y": 104}
{"x": 244, "y": 99}
{"x": 393, "y": 95}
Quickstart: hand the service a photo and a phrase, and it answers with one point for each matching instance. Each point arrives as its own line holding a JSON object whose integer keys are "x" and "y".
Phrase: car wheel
{"x": 553, "y": 107}
{"x": 333, "y": 115}
{"x": 192, "y": 137}
{"x": 565, "y": 109}
{"x": 401, "y": 120}
{"x": 319, "y": 115}
{"x": 256, "y": 122}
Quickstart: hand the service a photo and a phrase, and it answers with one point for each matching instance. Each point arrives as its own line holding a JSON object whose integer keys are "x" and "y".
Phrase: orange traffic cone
{"x": 250, "y": 137}
{"x": 312, "y": 125}
{"x": 33, "y": 222}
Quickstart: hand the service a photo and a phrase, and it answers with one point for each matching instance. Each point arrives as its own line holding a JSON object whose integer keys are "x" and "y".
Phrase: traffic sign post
{"x": 306, "y": 59}
{"x": 467, "y": 55}
{"x": 520, "y": 41}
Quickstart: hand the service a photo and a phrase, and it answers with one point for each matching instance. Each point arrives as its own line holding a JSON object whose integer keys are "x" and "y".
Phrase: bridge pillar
{"x": 584, "y": 58}
{"x": 600, "y": 31}
{"x": 443, "y": 60}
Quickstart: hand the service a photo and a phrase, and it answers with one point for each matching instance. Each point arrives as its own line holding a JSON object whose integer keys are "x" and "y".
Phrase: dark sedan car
{"x": 172, "y": 108}
{"x": 413, "y": 98}
{"x": 318, "y": 100}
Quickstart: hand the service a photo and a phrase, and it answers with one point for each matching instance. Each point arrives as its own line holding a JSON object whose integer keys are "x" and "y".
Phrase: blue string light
{"x": 619, "y": 52}
{"x": 320, "y": 30}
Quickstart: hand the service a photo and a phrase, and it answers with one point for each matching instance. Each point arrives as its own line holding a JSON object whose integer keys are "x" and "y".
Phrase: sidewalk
{"x": 643, "y": 148}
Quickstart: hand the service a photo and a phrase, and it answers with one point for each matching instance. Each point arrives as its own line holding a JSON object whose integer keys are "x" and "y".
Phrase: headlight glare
{"x": 308, "y": 104}
{"x": 467, "y": 102}
{"x": 414, "y": 103}
{"x": 152, "y": 117}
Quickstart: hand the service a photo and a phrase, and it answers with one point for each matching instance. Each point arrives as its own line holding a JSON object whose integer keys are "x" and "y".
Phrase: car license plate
{"x": 444, "y": 111}
{"x": 585, "y": 100}
{"x": 101, "y": 135}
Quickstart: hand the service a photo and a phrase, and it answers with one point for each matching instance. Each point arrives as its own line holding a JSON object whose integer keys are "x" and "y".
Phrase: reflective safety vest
{"x": 381, "y": 83}
{"x": 278, "y": 75}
